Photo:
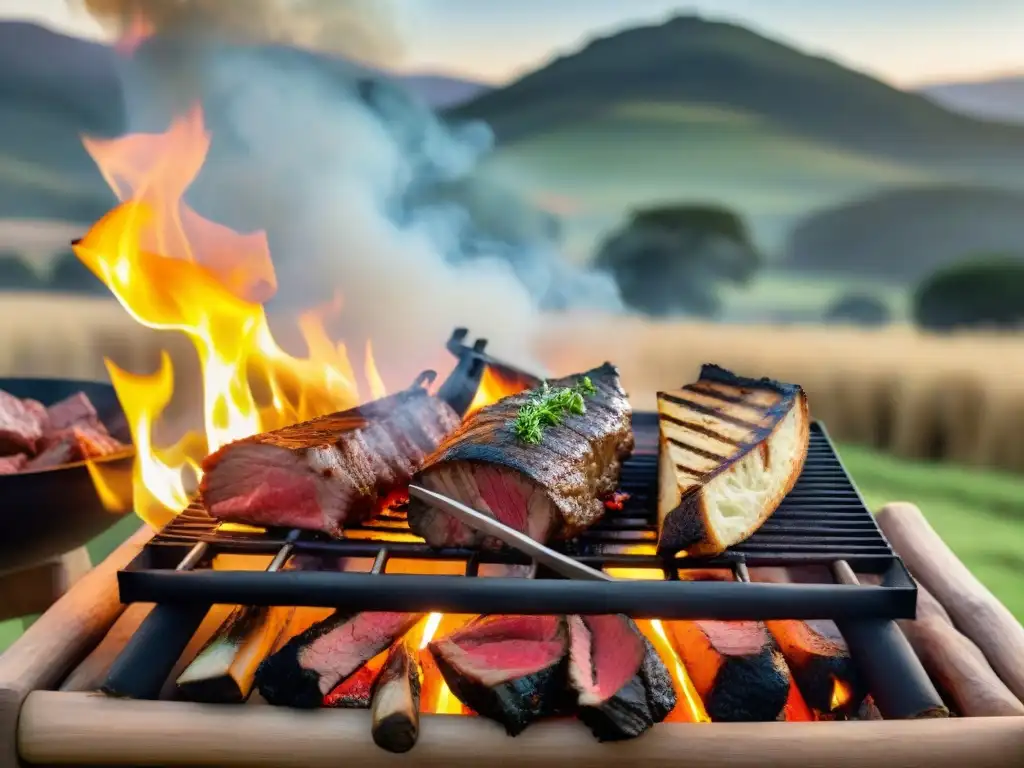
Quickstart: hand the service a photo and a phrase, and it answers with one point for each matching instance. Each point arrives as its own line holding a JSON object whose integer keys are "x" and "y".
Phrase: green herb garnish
{"x": 548, "y": 407}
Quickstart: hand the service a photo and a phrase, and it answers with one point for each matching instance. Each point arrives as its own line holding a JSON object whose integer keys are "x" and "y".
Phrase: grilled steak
{"x": 735, "y": 666}
{"x": 321, "y": 474}
{"x": 730, "y": 450}
{"x": 12, "y": 465}
{"x": 508, "y": 668}
{"x": 314, "y": 662}
{"x": 22, "y": 423}
{"x": 75, "y": 444}
{"x": 622, "y": 685}
{"x": 552, "y": 487}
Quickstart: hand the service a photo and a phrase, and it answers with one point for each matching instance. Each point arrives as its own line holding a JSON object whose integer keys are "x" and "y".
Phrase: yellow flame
{"x": 173, "y": 270}
{"x": 841, "y": 694}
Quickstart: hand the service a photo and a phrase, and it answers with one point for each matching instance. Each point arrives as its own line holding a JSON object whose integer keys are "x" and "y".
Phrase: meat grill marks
{"x": 325, "y": 473}
{"x": 552, "y": 489}
{"x": 622, "y": 685}
{"x": 313, "y": 663}
{"x": 511, "y": 669}
{"x": 735, "y": 667}
{"x": 731, "y": 448}
{"x": 819, "y": 659}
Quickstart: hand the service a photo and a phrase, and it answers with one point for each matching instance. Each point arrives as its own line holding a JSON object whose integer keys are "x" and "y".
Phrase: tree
{"x": 859, "y": 309}
{"x": 980, "y": 292}
{"x": 16, "y": 275}
{"x": 70, "y": 275}
{"x": 674, "y": 259}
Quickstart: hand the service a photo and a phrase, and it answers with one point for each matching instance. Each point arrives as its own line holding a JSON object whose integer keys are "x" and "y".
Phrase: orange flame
{"x": 494, "y": 385}
{"x": 173, "y": 270}
{"x": 841, "y": 694}
{"x": 436, "y": 696}
{"x": 796, "y": 709}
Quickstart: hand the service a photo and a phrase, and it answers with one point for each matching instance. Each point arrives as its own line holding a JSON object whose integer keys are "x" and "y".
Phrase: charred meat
{"x": 735, "y": 666}
{"x": 312, "y": 664}
{"x": 622, "y": 685}
{"x": 541, "y": 461}
{"x": 323, "y": 474}
{"x": 508, "y": 668}
{"x": 730, "y": 450}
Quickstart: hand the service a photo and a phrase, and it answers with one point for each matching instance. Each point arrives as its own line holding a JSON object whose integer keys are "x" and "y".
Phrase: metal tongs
{"x": 556, "y": 561}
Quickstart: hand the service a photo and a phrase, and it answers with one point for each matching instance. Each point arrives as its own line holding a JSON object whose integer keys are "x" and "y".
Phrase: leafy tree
{"x": 70, "y": 275}
{"x": 859, "y": 309}
{"x": 16, "y": 275}
{"x": 673, "y": 259}
{"x": 980, "y": 292}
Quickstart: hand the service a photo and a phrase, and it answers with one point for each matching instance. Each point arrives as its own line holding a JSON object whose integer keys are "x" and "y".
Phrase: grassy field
{"x": 638, "y": 153}
{"x": 978, "y": 513}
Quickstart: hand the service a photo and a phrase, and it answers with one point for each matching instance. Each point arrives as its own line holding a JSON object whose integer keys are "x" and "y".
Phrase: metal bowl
{"x": 49, "y": 512}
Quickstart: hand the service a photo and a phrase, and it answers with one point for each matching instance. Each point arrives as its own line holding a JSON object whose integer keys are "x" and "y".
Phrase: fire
{"x": 796, "y": 709}
{"x": 841, "y": 694}
{"x": 173, "y": 270}
{"x": 435, "y": 695}
{"x": 494, "y": 385}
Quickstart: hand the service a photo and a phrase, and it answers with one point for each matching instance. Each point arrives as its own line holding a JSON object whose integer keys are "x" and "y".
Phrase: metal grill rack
{"x": 823, "y": 521}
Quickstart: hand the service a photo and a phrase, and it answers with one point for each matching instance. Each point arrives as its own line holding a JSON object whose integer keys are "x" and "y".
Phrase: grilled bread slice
{"x": 731, "y": 448}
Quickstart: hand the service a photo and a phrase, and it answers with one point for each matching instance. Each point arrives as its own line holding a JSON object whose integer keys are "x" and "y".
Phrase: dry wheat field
{"x": 957, "y": 398}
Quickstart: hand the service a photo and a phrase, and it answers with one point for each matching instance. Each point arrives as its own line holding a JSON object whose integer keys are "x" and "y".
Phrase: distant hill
{"x": 905, "y": 235}
{"x": 997, "y": 99}
{"x": 442, "y": 91}
{"x": 690, "y": 60}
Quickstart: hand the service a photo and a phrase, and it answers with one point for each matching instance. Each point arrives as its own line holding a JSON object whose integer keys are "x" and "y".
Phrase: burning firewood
{"x": 735, "y": 666}
{"x": 396, "y": 701}
{"x": 225, "y": 670}
{"x": 508, "y": 668}
{"x": 313, "y": 663}
{"x": 622, "y": 685}
{"x": 820, "y": 662}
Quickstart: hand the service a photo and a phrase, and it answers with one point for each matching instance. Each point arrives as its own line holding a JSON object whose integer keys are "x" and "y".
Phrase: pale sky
{"x": 904, "y": 41}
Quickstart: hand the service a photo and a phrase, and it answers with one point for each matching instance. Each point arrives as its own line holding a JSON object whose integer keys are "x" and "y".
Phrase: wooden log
{"x": 735, "y": 666}
{"x": 820, "y": 662}
{"x": 956, "y": 664}
{"x": 61, "y": 637}
{"x": 396, "y": 701}
{"x": 76, "y": 729}
{"x": 974, "y": 609}
{"x": 225, "y": 669}
{"x": 33, "y": 590}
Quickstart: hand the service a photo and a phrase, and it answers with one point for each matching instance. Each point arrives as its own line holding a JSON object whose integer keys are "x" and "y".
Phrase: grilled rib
{"x": 730, "y": 449}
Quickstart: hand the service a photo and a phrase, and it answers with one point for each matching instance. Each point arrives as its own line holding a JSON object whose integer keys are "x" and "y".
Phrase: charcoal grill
{"x": 822, "y": 522}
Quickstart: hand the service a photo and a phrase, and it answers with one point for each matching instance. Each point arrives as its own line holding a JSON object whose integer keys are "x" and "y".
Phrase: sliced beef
{"x": 321, "y": 474}
{"x": 22, "y": 423}
{"x": 312, "y": 664}
{"x": 622, "y": 685}
{"x": 12, "y": 465}
{"x": 548, "y": 489}
{"x": 74, "y": 411}
{"x": 508, "y": 668}
{"x": 735, "y": 666}
{"x": 355, "y": 692}
{"x": 75, "y": 444}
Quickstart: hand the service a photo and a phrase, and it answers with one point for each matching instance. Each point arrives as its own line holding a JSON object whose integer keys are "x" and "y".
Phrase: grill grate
{"x": 823, "y": 521}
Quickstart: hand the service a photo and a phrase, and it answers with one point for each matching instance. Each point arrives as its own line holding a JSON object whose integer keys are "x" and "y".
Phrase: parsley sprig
{"x": 548, "y": 407}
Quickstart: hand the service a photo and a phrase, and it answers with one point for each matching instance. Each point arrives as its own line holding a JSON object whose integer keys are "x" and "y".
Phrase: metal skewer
{"x": 556, "y": 561}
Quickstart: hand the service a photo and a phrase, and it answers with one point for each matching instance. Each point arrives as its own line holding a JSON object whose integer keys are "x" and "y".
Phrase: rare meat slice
{"x": 12, "y": 465}
{"x": 313, "y": 663}
{"x": 546, "y": 482}
{"x": 75, "y": 444}
{"x": 22, "y": 424}
{"x": 508, "y": 668}
{"x": 74, "y": 411}
{"x": 622, "y": 685}
{"x": 325, "y": 473}
{"x": 736, "y": 668}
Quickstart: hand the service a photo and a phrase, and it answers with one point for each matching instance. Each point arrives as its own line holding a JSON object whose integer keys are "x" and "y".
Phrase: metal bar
{"x": 898, "y": 683}
{"x": 640, "y": 599}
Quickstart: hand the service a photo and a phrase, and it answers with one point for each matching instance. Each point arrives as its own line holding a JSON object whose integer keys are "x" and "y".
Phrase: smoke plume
{"x": 364, "y": 30}
{"x": 353, "y": 180}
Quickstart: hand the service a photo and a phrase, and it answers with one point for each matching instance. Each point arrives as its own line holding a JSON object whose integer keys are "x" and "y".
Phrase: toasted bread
{"x": 731, "y": 448}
